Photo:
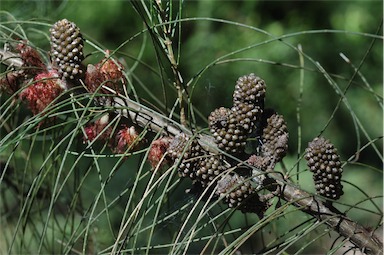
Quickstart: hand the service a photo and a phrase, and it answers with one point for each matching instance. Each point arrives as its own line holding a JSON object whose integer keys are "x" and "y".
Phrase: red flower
{"x": 32, "y": 65}
{"x": 157, "y": 151}
{"x": 45, "y": 88}
{"x": 94, "y": 129}
{"x": 108, "y": 72}
{"x": 112, "y": 69}
{"x": 127, "y": 138}
{"x": 31, "y": 59}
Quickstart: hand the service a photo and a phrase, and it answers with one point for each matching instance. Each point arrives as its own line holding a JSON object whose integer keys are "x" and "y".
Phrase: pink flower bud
{"x": 107, "y": 72}
{"x": 31, "y": 59}
{"x": 156, "y": 152}
{"x": 127, "y": 138}
{"x": 93, "y": 130}
{"x": 46, "y": 87}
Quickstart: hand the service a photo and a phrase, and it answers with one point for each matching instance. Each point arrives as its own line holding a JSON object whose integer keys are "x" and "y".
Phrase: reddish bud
{"x": 111, "y": 68}
{"x": 127, "y": 138}
{"x": 11, "y": 81}
{"x": 45, "y": 88}
{"x": 31, "y": 59}
{"x": 107, "y": 72}
{"x": 93, "y": 130}
{"x": 156, "y": 153}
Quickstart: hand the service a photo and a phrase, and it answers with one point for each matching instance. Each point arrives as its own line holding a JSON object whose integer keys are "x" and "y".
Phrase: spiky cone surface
{"x": 239, "y": 193}
{"x": 229, "y": 134}
{"x": 324, "y": 162}
{"x": 247, "y": 116}
{"x": 67, "y": 49}
{"x": 250, "y": 89}
{"x": 189, "y": 153}
{"x": 275, "y": 138}
{"x": 209, "y": 168}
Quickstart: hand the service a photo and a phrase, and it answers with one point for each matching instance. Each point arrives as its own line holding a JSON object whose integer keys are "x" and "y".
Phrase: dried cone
{"x": 247, "y": 116}
{"x": 275, "y": 138}
{"x": 238, "y": 193}
{"x": 67, "y": 49}
{"x": 229, "y": 134}
{"x": 323, "y": 161}
{"x": 32, "y": 62}
{"x": 249, "y": 89}
{"x": 209, "y": 168}
{"x": 189, "y": 153}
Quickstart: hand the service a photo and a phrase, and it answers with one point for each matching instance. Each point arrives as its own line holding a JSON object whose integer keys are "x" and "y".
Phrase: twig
{"x": 167, "y": 46}
{"x": 145, "y": 117}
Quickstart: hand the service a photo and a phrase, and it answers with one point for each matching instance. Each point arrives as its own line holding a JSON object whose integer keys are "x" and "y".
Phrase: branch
{"x": 307, "y": 203}
{"x": 156, "y": 122}
{"x": 10, "y": 59}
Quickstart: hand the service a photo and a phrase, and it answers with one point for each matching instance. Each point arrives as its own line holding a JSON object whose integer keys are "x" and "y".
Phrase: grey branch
{"x": 10, "y": 59}
{"x": 307, "y": 203}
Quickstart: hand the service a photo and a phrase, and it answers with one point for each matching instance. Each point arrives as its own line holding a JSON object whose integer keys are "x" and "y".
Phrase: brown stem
{"x": 309, "y": 204}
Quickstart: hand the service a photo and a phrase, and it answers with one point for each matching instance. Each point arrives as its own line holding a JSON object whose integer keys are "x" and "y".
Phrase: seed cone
{"x": 229, "y": 135}
{"x": 238, "y": 192}
{"x": 247, "y": 116}
{"x": 67, "y": 49}
{"x": 275, "y": 138}
{"x": 249, "y": 89}
{"x": 323, "y": 161}
{"x": 209, "y": 168}
{"x": 189, "y": 154}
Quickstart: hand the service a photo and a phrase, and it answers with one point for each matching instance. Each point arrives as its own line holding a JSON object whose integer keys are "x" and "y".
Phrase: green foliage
{"x": 321, "y": 61}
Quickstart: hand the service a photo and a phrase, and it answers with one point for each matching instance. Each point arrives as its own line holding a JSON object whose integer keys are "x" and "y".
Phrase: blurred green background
{"x": 112, "y": 24}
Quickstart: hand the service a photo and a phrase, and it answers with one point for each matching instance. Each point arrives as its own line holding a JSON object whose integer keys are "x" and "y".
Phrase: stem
{"x": 167, "y": 46}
